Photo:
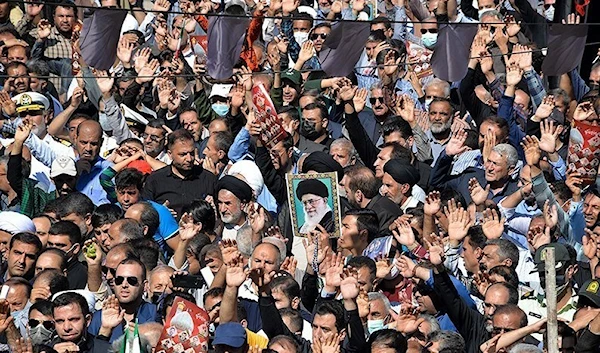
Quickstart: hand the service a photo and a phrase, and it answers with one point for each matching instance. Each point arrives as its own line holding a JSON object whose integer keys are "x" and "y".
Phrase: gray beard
{"x": 438, "y": 129}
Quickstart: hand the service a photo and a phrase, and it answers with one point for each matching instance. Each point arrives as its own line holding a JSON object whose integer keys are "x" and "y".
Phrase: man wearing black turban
{"x": 322, "y": 162}
{"x": 313, "y": 195}
{"x": 232, "y": 195}
{"x": 398, "y": 181}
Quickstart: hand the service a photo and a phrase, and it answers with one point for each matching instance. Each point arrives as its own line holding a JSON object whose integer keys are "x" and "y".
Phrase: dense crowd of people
{"x": 122, "y": 190}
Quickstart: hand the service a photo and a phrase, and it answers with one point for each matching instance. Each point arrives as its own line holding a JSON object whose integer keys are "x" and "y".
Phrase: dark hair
{"x": 202, "y": 211}
{"x": 223, "y": 140}
{"x": 213, "y": 293}
{"x": 52, "y": 206}
{"x": 58, "y": 252}
{"x": 66, "y": 228}
{"x": 560, "y": 189}
{"x": 242, "y": 314}
{"x": 39, "y": 68}
{"x": 449, "y": 194}
{"x": 287, "y": 340}
{"x": 376, "y": 36}
{"x": 364, "y": 262}
{"x": 129, "y": 177}
{"x": 317, "y": 106}
{"x": 66, "y": 4}
{"x": 135, "y": 261}
{"x": 296, "y": 321}
{"x": 106, "y": 214}
{"x": 302, "y": 16}
{"x": 67, "y": 298}
{"x": 382, "y": 19}
{"x": 27, "y": 238}
{"x": 449, "y": 341}
{"x": 476, "y": 237}
{"x": 334, "y": 308}
{"x": 446, "y": 101}
{"x": 366, "y": 220}
{"x": 132, "y": 140}
{"x": 388, "y": 338}
{"x": 147, "y": 251}
{"x": 291, "y": 111}
{"x": 149, "y": 217}
{"x": 472, "y": 140}
{"x": 508, "y": 274}
{"x": 76, "y": 203}
{"x": 10, "y": 30}
{"x": 43, "y": 306}
{"x": 363, "y": 179}
{"x": 399, "y": 152}
{"x": 15, "y": 64}
{"x": 502, "y": 125}
{"x": 157, "y": 124}
{"x": 287, "y": 285}
{"x": 179, "y": 135}
{"x": 396, "y": 124}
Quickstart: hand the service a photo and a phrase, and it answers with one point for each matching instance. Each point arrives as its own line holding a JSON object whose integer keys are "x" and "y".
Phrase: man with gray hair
{"x": 343, "y": 151}
{"x": 525, "y": 348}
{"x": 436, "y": 88}
{"x": 447, "y": 342}
{"x": 379, "y": 312}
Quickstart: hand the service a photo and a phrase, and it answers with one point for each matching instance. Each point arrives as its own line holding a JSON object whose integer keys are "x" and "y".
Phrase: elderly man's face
{"x": 341, "y": 154}
{"x": 392, "y": 189}
{"x": 265, "y": 257}
{"x": 314, "y": 206}
{"x": 440, "y": 117}
{"x": 377, "y": 100}
{"x": 496, "y": 167}
{"x": 230, "y": 207}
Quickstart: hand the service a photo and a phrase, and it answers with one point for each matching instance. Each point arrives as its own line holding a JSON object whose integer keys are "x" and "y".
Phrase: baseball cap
{"x": 589, "y": 290}
{"x": 62, "y": 165}
{"x": 221, "y": 90}
{"x": 292, "y": 75}
{"x": 31, "y": 101}
{"x": 561, "y": 256}
{"x": 230, "y": 334}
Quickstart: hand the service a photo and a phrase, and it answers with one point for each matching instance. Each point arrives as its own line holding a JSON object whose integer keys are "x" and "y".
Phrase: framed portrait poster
{"x": 313, "y": 200}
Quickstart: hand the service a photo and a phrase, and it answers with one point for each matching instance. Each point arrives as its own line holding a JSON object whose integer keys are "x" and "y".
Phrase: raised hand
{"x": 574, "y": 182}
{"x": 229, "y": 251}
{"x": 161, "y": 6}
{"x": 347, "y": 93}
{"x": 319, "y": 241}
{"x": 360, "y": 99}
{"x": 105, "y": 81}
{"x": 489, "y": 141}
{"x": 349, "y": 286}
{"x": 307, "y": 51}
{"x": 485, "y": 61}
{"x": 482, "y": 282}
{"x": 331, "y": 343}
{"x": 538, "y": 237}
{"x": 44, "y": 29}
{"x": 513, "y": 74}
{"x": 235, "y": 275}
{"x": 512, "y": 26}
{"x": 549, "y": 136}
{"x": 550, "y": 214}
{"x": 33, "y": 9}
{"x": 405, "y": 108}
{"x": 147, "y": 73}
{"x": 403, "y": 233}
{"x": 333, "y": 275}
{"x": 188, "y": 228}
{"x": 23, "y": 130}
{"x": 458, "y": 223}
{"x": 456, "y": 145}
{"x": 406, "y": 266}
{"x": 478, "y": 194}
{"x": 436, "y": 249}
{"x": 9, "y": 107}
{"x": 584, "y": 111}
{"x": 493, "y": 224}
{"x": 261, "y": 278}
{"x": 112, "y": 314}
{"x": 433, "y": 203}
{"x": 384, "y": 266}
{"x": 289, "y": 265}
{"x": 572, "y": 19}
{"x": 524, "y": 56}
{"x": 257, "y": 218}
{"x": 545, "y": 109}
{"x": 590, "y": 244}
{"x": 23, "y": 345}
{"x": 124, "y": 51}
{"x": 531, "y": 147}
{"x": 238, "y": 95}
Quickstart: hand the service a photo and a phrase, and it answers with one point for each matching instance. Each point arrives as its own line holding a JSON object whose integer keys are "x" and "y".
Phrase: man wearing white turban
{"x": 12, "y": 223}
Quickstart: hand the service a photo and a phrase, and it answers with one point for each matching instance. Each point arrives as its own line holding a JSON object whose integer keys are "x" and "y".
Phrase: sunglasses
{"x": 315, "y": 36}
{"x": 547, "y": 6}
{"x": 374, "y": 100}
{"x": 498, "y": 330}
{"x": 133, "y": 281}
{"x": 430, "y": 30}
{"x": 26, "y": 113}
{"x": 112, "y": 271}
{"x": 49, "y": 325}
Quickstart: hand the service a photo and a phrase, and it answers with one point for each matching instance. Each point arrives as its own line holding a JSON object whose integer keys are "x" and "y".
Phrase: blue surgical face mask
{"x": 375, "y": 325}
{"x": 429, "y": 39}
{"x": 220, "y": 108}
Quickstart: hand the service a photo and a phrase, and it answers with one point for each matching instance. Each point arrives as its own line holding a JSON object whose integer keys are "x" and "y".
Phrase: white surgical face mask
{"x": 549, "y": 13}
{"x": 301, "y": 37}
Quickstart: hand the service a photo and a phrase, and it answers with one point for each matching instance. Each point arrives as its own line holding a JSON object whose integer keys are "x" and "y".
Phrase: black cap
{"x": 589, "y": 290}
{"x": 561, "y": 256}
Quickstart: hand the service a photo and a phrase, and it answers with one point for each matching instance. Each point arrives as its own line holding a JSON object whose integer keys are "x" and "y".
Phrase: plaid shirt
{"x": 56, "y": 46}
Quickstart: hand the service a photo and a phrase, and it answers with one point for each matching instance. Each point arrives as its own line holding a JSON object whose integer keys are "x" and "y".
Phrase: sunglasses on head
{"x": 430, "y": 30}
{"x": 48, "y": 325}
{"x": 315, "y": 36}
{"x": 133, "y": 281}
{"x": 374, "y": 100}
{"x": 105, "y": 270}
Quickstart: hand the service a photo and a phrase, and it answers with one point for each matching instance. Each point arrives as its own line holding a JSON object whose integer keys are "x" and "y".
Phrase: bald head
{"x": 89, "y": 140}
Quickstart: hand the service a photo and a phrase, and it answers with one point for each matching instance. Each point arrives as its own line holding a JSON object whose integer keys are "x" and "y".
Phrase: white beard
{"x": 310, "y": 222}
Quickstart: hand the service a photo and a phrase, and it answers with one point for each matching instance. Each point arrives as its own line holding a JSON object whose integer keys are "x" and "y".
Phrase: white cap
{"x": 31, "y": 101}
{"x": 63, "y": 165}
{"x": 221, "y": 90}
{"x": 309, "y": 10}
{"x": 133, "y": 116}
{"x": 13, "y": 223}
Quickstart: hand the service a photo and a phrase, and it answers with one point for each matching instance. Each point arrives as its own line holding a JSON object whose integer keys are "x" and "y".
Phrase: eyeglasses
{"x": 133, "y": 281}
{"x": 316, "y": 36}
{"x": 49, "y": 325}
{"x": 112, "y": 271}
{"x": 547, "y": 6}
{"x": 430, "y": 30}
{"x": 311, "y": 202}
{"x": 374, "y": 100}
{"x": 153, "y": 138}
{"x": 498, "y": 330}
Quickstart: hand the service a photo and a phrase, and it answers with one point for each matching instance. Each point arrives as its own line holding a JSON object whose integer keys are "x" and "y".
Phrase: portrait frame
{"x": 331, "y": 220}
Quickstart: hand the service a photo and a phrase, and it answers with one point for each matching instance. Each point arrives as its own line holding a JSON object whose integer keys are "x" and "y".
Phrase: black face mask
{"x": 156, "y": 297}
{"x": 309, "y": 130}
